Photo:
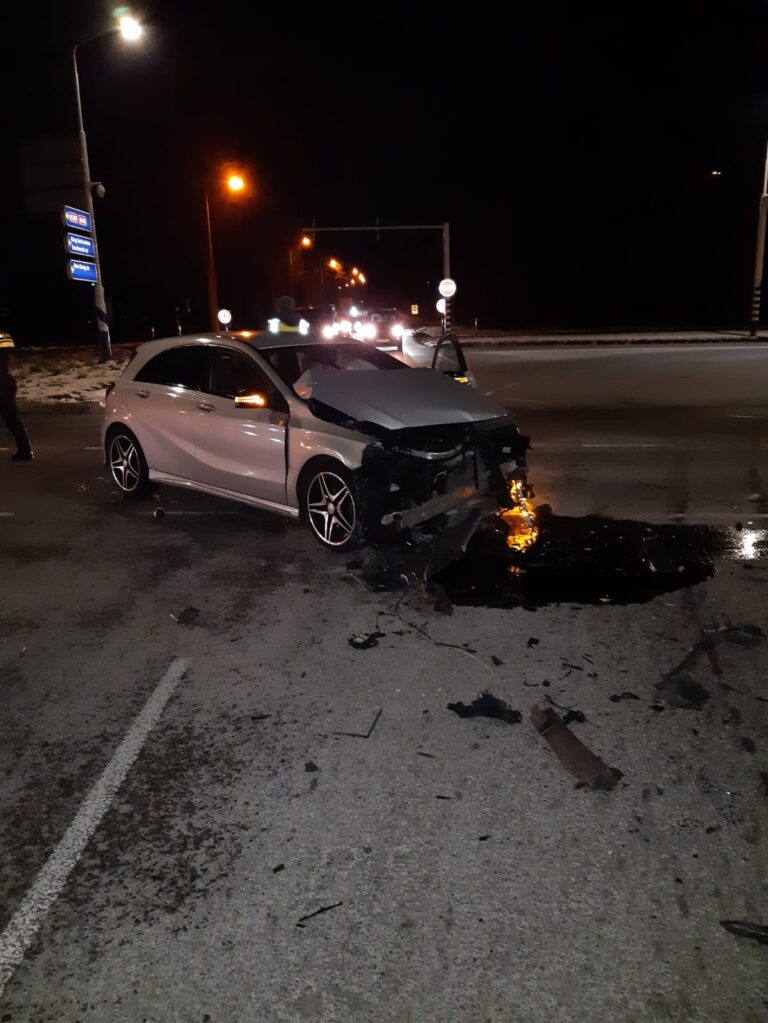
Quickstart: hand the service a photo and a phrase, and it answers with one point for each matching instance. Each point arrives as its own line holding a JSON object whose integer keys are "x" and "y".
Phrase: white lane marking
{"x": 96, "y": 447}
{"x": 633, "y": 444}
{"x": 737, "y": 416}
{"x": 26, "y": 921}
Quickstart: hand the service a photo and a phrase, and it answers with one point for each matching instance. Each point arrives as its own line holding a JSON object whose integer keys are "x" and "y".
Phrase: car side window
{"x": 233, "y": 374}
{"x": 186, "y": 366}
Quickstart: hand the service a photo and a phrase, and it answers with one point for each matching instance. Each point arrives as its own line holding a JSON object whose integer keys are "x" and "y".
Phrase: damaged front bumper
{"x": 418, "y": 475}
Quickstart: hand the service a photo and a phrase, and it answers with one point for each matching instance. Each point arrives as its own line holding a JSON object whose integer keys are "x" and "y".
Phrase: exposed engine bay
{"x": 434, "y": 474}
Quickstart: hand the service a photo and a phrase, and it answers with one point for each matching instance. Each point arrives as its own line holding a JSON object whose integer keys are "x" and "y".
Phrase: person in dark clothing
{"x": 8, "y": 411}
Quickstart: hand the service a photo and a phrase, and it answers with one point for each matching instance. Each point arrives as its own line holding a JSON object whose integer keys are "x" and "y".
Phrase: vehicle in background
{"x": 321, "y": 319}
{"x": 336, "y": 433}
{"x": 381, "y": 327}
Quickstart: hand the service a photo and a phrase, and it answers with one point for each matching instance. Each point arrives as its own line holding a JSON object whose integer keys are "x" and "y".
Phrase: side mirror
{"x": 255, "y": 400}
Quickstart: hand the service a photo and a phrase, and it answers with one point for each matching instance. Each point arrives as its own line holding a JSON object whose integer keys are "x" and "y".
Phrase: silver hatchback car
{"x": 347, "y": 438}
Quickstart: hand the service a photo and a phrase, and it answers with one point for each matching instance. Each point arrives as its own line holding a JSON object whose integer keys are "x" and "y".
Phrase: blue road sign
{"x": 79, "y": 245}
{"x": 77, "y": 218}
{"x": 80, "y": 270}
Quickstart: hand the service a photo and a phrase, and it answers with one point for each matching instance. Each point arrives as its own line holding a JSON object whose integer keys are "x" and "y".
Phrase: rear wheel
{"x": 331, "y": 505}
{"x": 127, "y": 464}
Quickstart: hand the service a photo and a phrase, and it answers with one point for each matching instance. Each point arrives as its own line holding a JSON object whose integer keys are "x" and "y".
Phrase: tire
{"x": 331, "y": 505}
{"x": 127, "y": 464}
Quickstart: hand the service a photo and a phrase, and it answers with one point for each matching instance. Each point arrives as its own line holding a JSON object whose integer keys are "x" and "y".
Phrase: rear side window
{"x": 177, "y": 367}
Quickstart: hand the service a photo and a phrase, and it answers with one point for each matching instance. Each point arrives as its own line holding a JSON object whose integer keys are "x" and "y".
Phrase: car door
{"x": 449, "y": 359}
{"x": 241, "y": 428}
{"x": 163, "y": 399}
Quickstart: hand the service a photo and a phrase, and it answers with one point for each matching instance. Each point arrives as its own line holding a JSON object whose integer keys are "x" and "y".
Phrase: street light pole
{"x": 213, "y": 297}
{"x": 99, "y": 300}
{"x": 757, "y": 284}
{"x": 447, "y": 273}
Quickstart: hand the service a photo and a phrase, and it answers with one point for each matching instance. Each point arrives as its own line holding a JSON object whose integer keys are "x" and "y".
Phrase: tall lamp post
{"x": 236, "y": 184}
{"x": 757, "y": 283}
{"x": 130, "y": 30}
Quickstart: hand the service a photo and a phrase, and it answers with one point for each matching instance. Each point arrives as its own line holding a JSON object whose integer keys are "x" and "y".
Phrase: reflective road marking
{"x": 25, "y": 923}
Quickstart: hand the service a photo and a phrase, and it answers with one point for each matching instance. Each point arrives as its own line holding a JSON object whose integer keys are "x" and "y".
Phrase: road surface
{"x": 190, "y": 792}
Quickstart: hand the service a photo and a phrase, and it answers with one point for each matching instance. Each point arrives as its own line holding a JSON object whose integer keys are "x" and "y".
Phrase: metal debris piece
{"x": 187, "y": 617}
{"x": 365, "y": 640}
{"x": 488, "y": 706}
{"x": 323, "y": 909}
{"x": 496, "y": 660}
{"x": 572, "y": 753}
{"x": 746, "y": 929}
{"x": 278, "y": 868}
{"x": 310, "y": 766}
{"x": 361, "y": 735}
{"x": 532, "y": 641}
{"x": 260, "y": 717}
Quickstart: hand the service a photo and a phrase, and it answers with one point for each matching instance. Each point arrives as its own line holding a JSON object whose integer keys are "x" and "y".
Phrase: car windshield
{"x": 293, "y": 362}
{"x": 383, "y": 317}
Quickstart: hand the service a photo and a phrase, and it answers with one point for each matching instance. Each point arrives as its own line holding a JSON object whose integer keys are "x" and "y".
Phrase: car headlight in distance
{"x": 334, "y": 329}
{"x": 304, "y": 327}
{"x": 328, "y": 331}
{"x": 345, "y": 326}
{"x": 274, "y": 325}
{"x": 369, "y": 331}
{"x": 397, "y": 330}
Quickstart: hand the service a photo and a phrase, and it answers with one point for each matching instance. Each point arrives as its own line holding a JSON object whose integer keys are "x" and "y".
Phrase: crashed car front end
{"x": 420, "y": 474}
{"x": 416, "y": 474}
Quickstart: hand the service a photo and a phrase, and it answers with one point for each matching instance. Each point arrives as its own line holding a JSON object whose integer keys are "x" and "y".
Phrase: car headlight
{"x": 369, "y": 331}
{"x": 397, "y": 330}
{"x": 304, "y": 327}
{"x": 328, "y": 331}
{"x": 345, "y": 326}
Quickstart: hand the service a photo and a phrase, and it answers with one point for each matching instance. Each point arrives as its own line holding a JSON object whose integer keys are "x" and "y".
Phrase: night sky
{"x": 570, "y": 146}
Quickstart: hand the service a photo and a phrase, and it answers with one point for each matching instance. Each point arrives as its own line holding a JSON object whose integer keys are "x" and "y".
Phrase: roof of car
{"x": 255, "y": 338}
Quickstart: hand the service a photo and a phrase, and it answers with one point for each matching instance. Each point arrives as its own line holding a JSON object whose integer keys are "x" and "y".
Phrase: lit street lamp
{"x": 131, "y": 31}
{"x": 236, "y": 184}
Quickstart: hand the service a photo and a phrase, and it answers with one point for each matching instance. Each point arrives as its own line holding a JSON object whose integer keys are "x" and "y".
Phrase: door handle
{"x": 142, "y": 394}
{"x": 205, "y": 406}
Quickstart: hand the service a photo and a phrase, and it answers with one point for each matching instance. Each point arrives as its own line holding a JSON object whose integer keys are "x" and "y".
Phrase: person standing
{"x": 8, "y": 411}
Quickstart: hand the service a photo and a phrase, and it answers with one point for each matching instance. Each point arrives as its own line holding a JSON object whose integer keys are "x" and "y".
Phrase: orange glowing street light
{"x": 355, "y": 271}
{"x": 334, "y": 264}
{"x": 236, "y": 183}
{"x": 306, "y": 242}
{"x": 362, "y": 279}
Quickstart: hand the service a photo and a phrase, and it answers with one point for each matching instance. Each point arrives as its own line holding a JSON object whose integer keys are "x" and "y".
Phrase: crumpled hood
{"x": 399, "y": 398}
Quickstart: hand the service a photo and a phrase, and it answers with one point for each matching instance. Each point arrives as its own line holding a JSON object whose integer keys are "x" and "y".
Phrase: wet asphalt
{"x": 472, "y": 877}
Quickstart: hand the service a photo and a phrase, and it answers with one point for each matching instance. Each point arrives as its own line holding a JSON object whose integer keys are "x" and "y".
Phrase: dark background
{"x": 569, "y": 145}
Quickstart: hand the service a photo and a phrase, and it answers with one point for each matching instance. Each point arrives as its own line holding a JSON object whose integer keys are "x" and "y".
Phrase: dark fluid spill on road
{"x": 589, "y": 560}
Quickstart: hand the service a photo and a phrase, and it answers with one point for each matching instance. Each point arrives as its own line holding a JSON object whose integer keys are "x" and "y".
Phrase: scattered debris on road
{"x": 497, "y": 661}
{"x": 626, "y": 695}
{"x": 301, "y": 922}
{"x": 187, "y": 617}
{"x": 574, "y": 716}
{"x": 310, "y": 766}
{"x": 280, "y": 867}
{"x": 681, "y": 688}
{"x": 363, "y": 735}
{"x": 260, "y": 717}
{"x": 532, "y": 641}
{"x": 572, "y": 753}
{"x": 489, "y": 706}
{"x": 365, "y": 640}
{"x": 747, "y": 929}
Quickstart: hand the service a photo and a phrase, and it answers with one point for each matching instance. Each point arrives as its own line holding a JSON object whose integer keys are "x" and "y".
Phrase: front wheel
{"x": 127, "y": 464}
{"x": 331, "y": 505}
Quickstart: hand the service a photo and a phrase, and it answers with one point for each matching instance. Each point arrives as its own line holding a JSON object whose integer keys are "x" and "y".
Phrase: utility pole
{"x": 447, "y": 274}
{"x": 213, "y": 299}
{"x": 757, "y": 284}
{"x": 99, "y": 301}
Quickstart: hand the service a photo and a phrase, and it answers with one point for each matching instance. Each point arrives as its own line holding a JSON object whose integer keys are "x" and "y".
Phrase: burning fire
{"x": 519, "y": 518}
